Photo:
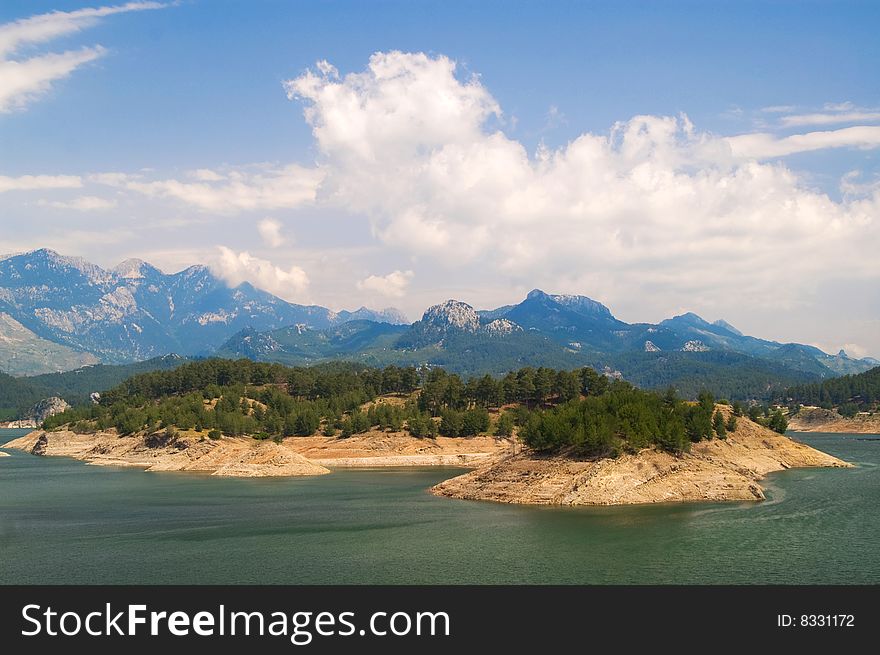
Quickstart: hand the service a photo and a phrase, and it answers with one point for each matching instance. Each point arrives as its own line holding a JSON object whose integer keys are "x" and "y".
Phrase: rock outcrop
{"x": 452, "y": 317}
{"x": 454, "y": 314}
{"x": 501, "y": 326}
{"x": 39, "y": 447}
{"x": 46, "y": 408}
{"x": 695, "y": 346}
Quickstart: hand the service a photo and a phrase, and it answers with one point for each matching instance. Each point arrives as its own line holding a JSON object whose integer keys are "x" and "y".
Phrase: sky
{"x": 720, "y": 158}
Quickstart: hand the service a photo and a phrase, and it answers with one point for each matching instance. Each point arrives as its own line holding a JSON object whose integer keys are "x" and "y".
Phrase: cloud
{"x": 270, "y": 232}
{"x": 39, "y": 182}
{"x": 554, "y": 118}
{"x": 393, "y": 285}
{"x": 855, "y": 350}
{"x": 778, "y": 109}
{"x": 799, "y": 120}
{"x": 852, "y": 185}
{"x": 206, "y": 175}
{"x": 767, "y": 146}
{"x": 237, "y": 267}
{"x": 655, "y": 206}
{"x": 82, "y": 204}
{"x": 650, "y": 215}
{"x": 23, "y": 80}
{"x": 46, "y": 27}
{"x": 234, "y": 191}
{"x": 831, "y": 113}
{"x": 838, "y": 106}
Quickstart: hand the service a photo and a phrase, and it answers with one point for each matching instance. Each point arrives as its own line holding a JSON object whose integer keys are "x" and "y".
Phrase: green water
{"x": 62, "y": 521}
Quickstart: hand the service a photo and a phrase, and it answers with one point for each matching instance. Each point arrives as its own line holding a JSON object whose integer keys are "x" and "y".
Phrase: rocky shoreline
{"x": 816, "y": 419}
{"x": 247, "y": 457}
{"x": 717, "y": 470}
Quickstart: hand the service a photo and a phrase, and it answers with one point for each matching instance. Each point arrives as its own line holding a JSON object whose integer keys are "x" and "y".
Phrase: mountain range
{"x": 60, "y": 312}
{"x": 543, "y": 329}
{"x": 70, "y": 312}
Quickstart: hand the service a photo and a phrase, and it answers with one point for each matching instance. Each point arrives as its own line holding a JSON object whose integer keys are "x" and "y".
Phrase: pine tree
{"x": 719, "y": 426}
{"x": 731, "y": 423}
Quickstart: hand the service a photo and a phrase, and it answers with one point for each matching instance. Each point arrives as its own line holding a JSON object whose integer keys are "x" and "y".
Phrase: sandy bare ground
{"x": 247, "y": 457}
{"x": 231, "y": 457}
{"x": 384, "y": 449}
{"x": 816, "y": 419}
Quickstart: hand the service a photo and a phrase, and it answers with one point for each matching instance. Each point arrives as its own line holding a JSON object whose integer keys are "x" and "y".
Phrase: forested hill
{"x": 579, "y": 411}
{"x": 18, "y": 395}
{"x": 862, "y": 390}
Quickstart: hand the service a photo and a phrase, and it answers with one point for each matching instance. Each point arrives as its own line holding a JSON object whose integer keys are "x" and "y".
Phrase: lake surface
{"x": 62, "y": 521}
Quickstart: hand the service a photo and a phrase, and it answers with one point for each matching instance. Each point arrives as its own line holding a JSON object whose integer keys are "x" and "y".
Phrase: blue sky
{"x": 197, "y": 86}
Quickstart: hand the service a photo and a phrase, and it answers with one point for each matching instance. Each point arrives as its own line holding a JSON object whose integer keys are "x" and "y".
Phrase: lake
{"x": 62, "y": 521}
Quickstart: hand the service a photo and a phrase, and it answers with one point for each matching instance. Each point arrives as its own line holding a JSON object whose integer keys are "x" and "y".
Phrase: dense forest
{"x": 726, "y": 374}
{"x": 19, "y": 395}
{"x": 580, "y": 411}
{"x": 850, "y": 393}
{"x": 625, "y": 418}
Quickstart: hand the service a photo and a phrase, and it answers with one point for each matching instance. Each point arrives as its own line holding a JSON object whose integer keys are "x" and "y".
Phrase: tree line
{"x": 552, "y": 409}
{"x": 625, "y": 419}
{"x": 850, "y": 392}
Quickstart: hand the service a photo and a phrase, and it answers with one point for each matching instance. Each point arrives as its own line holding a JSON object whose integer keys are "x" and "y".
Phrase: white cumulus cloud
{"x": 654, "y": 203}
{"x": 392, "y": 285}
{"x": 292, "y": 283}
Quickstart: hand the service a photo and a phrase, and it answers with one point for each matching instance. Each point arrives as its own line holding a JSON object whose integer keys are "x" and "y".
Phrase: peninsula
{"x": 716, "y": 470}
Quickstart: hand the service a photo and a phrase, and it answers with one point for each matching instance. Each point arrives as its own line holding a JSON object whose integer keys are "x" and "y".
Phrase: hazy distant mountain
{"x": 584, "y": 324}
{"x": 23, "y": 352}
{"x": 61, "y": 312}
{"x": 554, "y": 330}
{"x": 135, "y": 311}
{"x": 387, "y": 315}
{"x": 300, "y": 344}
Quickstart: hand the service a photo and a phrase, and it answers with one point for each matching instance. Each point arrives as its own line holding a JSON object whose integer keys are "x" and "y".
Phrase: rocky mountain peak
{"x": 134, "y": 269}
{"x": 536, "y": 294}
{"x": 452, "y": 313}
{"x": 581, "y": 304}
{"x": 46, "y": 259}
